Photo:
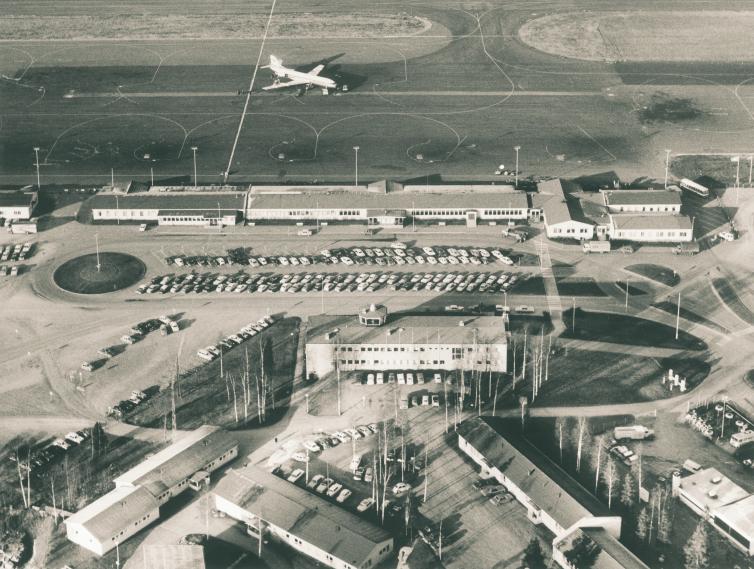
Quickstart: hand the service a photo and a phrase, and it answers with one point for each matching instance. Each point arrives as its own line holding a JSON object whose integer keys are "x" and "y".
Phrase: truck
{"x": 739, "y": 439}
{"x": 689, "y": 248}
{"x": 595, "y": 246}
{"x": 633, "y": 432}
{"x": 516, "y": 234}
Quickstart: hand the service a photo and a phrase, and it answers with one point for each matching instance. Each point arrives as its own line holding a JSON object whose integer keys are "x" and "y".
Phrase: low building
{"x": 170, "y": 208}
{"x": 139, "y": 492}
{"x": 387, "y": 209}
{"x": 666, "y": 202}
{"x": 561, "y": 212}
{"x": 608, "y": 552}
{"x": 718, "y": 499}
{"x": 658, "y": 228}
{"x": 276, "y": 509}
{"x": 354, "y": 343}
{"x": 18, "y": 204}
{"x": 112, "y": 519}
{"x": 168, "y": 472}
{"x": 168, "y": 556}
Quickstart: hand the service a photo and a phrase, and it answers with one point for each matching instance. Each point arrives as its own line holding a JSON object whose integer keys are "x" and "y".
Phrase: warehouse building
{"x": 165, "y": 208}
{"x": 666, "y": 202}
{"x": 375, "y": 340}
{"x": 139, "y": 492}
{"x": 725, "y": 504}
{"x": 561, "y": 212}
{"x": 609, "y": 553}
{"x": 386, "y": 209}
{"x": 18, "y": 205}
{"x": 278, "y": 510}
{"x": 657, "y": 228}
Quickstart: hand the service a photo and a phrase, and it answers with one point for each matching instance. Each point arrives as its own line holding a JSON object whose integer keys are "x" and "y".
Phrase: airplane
{"x": 296, "y": 77}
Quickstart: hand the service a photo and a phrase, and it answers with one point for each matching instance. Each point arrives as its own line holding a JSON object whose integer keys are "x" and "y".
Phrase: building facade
{"x": 18, "y": 205}
{"x": 348, "y": 343}
{"x": 664, "y": 202}
{"x": 651, "y": 228}
{"x": 561, "y": 213}
{"x": 274, "y": 509}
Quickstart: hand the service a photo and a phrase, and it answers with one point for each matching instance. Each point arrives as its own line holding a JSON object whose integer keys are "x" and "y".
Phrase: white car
{"x": 358, "y": 252}
{"x": 506, "y": 260}
{"x": 62, "y": 443}
{"x": 341, "y": 436}
{"x": 365, "y": 504}
{"x": 355, "y": 462}
{"x": 398, "y": 245}
{"x": 300, "y": 457}
{"x": 401, "y": 488}
{"x": 429, "y": 251}
{"x": 295, "y": 475}
{"x": 353, "y": 433}
{"x": 334, "y": 489}
{"x": 370, "y": 379}
{"x": 311, "y": 446}
{"x": 74, "y": 437}
{"x": 726, "y": 235}
{"x": 344, "y": 495}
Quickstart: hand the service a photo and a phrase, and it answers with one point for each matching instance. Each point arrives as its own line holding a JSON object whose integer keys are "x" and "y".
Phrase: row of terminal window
{"x": 400, "y": 349}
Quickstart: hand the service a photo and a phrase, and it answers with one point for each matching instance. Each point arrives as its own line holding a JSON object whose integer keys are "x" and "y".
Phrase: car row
{"x": 486, "y": 282}
{"x": 9, "y": 271}
{"x": 211, "y": 352}
{"x": 42, "y": 458}
{"x": 17, "y": 252}
{"x": 327, "y": 440}
{"x": 125, "y": 406}
{"x": 382, "y": 256}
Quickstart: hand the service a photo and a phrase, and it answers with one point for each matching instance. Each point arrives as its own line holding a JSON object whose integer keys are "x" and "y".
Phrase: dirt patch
{"x": 225, "y": 26}
{"x": 643, "y": 36}
{"x": 663, "y": 108}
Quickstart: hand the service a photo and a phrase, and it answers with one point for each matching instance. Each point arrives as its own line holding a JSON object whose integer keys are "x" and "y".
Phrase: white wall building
{"x": 665, "y": 202}
{"x": 170, "y": 208}
{"x": 17, "y": 205}
{"x": 313, "y": 526}
{"x": 406, "y": 343}
{"x": 561, "y": 213}
{"x": 139, "y": 492}
{"x": 657, "y": 228}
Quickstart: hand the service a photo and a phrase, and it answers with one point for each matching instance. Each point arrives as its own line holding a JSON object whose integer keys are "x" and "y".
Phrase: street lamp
{"x": 751, "y": 165}
{"x": 356, "y": 163}
{"x": 667, "y": 166}
{"x": 516, "y": 148}
{"x": 36, "y": 153}
{"x": 194, "y": 148}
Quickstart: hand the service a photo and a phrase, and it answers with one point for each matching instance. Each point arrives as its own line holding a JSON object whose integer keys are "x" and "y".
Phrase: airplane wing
{"x": 283, "y": 85}
{"x": 317, "y": 70}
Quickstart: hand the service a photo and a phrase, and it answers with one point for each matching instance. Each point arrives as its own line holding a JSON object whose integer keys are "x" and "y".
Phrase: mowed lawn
{"x": 579, "y": 377}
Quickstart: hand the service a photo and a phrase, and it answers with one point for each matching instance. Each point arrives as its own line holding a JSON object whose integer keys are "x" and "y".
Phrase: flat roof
{"x": 170, "y": 201}
{"x": 169, "y": 556}
{"x": 408, "y": 330}
{"x": 565, "y": 500}
{"x": 698, "y": 486}
{"x": 642, "y": 197}
{"x": 739, "y": 515}
{"x": 16, "y": 198}
{"x": 180, "y": 460}
{"x": 649, "y": 221}
{"x": 117, "y": 509}
{"x": 206, "y": 213}
{"x": 392, "y": 200}
{"x": 613, "y": 554}
{"x": 307, "y": 516}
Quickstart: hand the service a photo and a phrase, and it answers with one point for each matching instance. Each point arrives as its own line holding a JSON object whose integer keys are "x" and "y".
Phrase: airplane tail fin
{"x": 274, "y": 62}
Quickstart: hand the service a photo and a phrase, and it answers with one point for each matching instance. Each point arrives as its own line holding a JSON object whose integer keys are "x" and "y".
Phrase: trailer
{"x": 595, "y": 246}
{"x": 633, "y": 432}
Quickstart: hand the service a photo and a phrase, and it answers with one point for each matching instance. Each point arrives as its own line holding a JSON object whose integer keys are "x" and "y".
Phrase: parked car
{"x": 295, "y": 475}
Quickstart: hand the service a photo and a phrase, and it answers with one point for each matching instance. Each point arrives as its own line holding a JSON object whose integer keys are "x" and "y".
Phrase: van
{"x": 740, "y": 439}
{"x": 305, "y": 233}
{"x": 403, "y": 404}
{"x": 143, "y": 227}
{"x": 524, "y": 310}
{"x": 633, "y": 432}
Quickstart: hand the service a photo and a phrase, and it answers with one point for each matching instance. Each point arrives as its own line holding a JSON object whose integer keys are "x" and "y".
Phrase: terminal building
{"x": 135, "y": 502}
{"x": 643, "y": 228}
{"x": 277, "y": 510}
{"x": 201, "y": 208}
{"x": 551, "y": 497}
{"x": 374, "y": 340}
{"x": 392, "y": 209}
{"x": 666, "y": 202}
{"x": 561, "y": 212}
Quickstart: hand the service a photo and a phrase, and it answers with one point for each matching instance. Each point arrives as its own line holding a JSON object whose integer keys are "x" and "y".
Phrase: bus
{"x": 692, "y": 186}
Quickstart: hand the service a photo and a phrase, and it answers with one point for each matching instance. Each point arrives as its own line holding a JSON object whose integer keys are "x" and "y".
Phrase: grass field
{"x": 99, "y": 273}
{"x": 643, "y": 35}
{"x": 461, "y": 94}
{"x": 672, "y": 308}
{"x": 625, "y": 329}
{"x": 579, "y": 377}
{"x": 204, "y": 398}
{"x": 730, "y": 297}
{"x": 586, "y": 286}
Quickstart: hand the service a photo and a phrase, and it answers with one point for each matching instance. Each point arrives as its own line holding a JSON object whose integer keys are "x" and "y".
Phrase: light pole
{"x": 516, "y": 148}
{"x": 194, "y": 148}
{"x": 667, "y": 166}
{"x": 356, "y": 165}
{"x": 751, "y": 164}
{"x": 36, "y": 153}
{"x": 112, "y": 178}
{"x": 151, "y": 175}
{"x": 413, "y": 216}
{"x": 96, "y": 244}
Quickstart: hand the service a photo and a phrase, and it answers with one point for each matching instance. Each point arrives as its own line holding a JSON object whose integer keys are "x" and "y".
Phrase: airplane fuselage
{"x": 282, "y": 72}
